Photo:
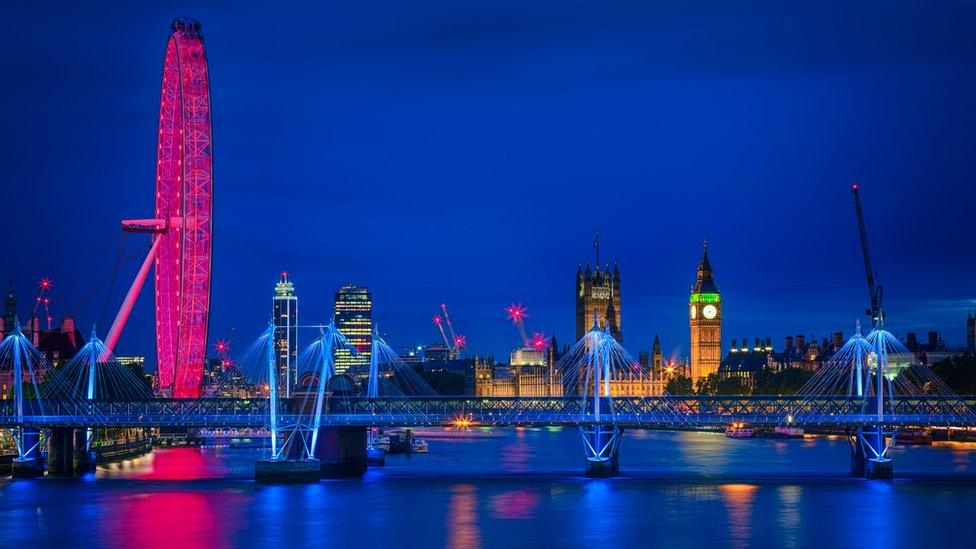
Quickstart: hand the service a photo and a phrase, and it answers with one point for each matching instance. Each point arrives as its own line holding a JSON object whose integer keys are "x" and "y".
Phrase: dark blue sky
{"x": 466, "y": 152}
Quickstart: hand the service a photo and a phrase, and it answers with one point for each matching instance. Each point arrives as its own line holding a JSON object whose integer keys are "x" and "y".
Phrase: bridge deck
{"x": 637, "y": 412}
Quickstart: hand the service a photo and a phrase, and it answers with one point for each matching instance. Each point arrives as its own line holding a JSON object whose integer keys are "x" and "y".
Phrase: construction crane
{"x": 223, "y": 351}
{"x": 439, "y": 322}
{"x": 875, "y": 290}
{"x": 457, "y": 342}
{"x": 44, "y": 298}
{"x": 517, "y": 314}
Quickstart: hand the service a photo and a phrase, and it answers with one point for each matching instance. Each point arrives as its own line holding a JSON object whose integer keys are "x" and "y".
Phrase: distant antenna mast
{"x": 596, "y": 246}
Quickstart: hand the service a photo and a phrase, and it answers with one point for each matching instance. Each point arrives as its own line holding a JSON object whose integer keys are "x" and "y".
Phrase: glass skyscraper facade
{"x": 286, "y": 334}
{"x": 354, "y": 318}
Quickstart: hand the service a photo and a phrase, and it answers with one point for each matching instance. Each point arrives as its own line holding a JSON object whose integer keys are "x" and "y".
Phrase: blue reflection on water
{"x": 511, "y": 488}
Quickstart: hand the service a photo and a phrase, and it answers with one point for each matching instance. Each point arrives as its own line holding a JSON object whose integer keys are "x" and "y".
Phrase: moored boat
{"x": 420, "y": 446}
{"x": 739, "y": 430}
{"x": 914, "y": 436}
{"x": 787, "y": 432}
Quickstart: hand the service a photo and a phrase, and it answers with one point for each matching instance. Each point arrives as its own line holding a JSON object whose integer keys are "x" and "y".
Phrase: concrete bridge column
{"x": 29, "y": 464}
{"x": 857, "y": 454}
{"x": 84, "y": 455}
{"x": 60, "y": 452}
{"x": 341, "y": 451}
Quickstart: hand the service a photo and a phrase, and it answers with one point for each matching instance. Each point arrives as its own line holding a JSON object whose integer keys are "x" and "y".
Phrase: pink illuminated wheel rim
{"x": 184, "y": 199}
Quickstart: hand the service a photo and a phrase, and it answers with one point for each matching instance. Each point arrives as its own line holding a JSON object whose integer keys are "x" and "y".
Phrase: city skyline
{"x": 779, "y": 158}
{"x": 292, "y": 273}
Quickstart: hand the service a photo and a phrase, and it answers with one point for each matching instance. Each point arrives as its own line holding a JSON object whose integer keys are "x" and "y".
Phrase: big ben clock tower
{"x": 705, "y": 319}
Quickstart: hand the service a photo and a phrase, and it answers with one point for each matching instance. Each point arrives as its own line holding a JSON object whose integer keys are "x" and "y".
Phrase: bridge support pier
{"x": 871, "y": 453}
{"x": 341, "y": 451}
{"x": 84, "y": 454}
{"x": 28, "y": 464}
{"x": 857, "y": 454}
{"x": 375, "y": 457}
{"x": 60, "y": 452}
{"x": 287, "y": 471}
{"x": 68, "y": 452}
{"x": 601, "y": 448}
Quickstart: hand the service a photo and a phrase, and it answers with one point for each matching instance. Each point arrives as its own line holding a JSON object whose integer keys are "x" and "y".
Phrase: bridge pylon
{"x": 283, "y": 466}
{"x": 601, "y": 439}
{"x": 27, "y": 366}
{"x": 888, "y": 388}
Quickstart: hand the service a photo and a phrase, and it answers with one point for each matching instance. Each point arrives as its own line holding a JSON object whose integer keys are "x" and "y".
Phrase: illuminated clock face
{"x": 694, "y": 312}
{"x": 710, "y": 311}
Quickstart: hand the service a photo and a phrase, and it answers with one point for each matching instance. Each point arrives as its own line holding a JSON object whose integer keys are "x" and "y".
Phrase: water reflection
{"x": 181, "y": 518}
{"x": 789, "y": 514}
{"x": 465, "y": 494}
{"x": 738, "y": 500}
{"x": 516, "y": 504}
{"x": 517, "y": 457}
{"x": 961, "y": 459}
{"x": 462, "y": 518}
{"x": 169, "y": 464}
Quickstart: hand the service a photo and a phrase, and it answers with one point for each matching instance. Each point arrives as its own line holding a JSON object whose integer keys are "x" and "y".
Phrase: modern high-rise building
{"x": 354, "y": 318}
{"x": 705, "y": 320}
{"x": 285, "y": 306}
{"x": 598, "y": 293}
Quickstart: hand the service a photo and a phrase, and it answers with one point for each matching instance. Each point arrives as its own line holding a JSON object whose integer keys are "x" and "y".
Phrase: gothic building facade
{"x": 705, "y": 321}
{"x": 598, "y": 297}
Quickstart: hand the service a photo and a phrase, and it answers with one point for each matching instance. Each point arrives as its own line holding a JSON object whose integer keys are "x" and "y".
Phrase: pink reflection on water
{"x": 168, "y": 519}
{"x": 517, "y": 457}
{"x": 517, "y": 504}
{"x": 181, "y": 464}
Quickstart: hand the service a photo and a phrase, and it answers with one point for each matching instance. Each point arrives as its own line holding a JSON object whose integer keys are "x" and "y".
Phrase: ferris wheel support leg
{"x": 129, "y": 301}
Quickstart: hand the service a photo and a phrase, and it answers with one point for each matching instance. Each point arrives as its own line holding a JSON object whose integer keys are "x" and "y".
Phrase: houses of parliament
{"x": 598, "y": 298}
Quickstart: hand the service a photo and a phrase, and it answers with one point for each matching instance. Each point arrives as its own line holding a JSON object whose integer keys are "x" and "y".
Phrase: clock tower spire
{"x": 705, "y": 321}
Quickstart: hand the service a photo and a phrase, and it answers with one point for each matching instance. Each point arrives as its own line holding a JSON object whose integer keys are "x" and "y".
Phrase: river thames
{"x": 513, "y": 488}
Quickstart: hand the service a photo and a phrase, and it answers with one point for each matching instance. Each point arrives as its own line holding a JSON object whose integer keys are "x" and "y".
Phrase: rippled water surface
{"x": 513, "y": 488}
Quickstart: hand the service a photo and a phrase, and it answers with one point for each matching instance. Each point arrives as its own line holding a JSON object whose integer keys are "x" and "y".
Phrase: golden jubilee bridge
{"x": 869, "y": 390}
{"x": 650, "y": 412}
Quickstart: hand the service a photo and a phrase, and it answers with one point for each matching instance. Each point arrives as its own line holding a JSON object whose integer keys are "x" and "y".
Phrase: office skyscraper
{"x": 354, "y": 318}
{"x": 286, "y": 334}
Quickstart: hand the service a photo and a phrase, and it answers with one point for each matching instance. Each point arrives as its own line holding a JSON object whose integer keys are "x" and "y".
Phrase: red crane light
{"x": 516, "y": 312}
{"x": 221, "y": 346}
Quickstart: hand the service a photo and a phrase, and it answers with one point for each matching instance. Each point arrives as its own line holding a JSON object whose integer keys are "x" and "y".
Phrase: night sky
{"x": 465, "y": 152}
